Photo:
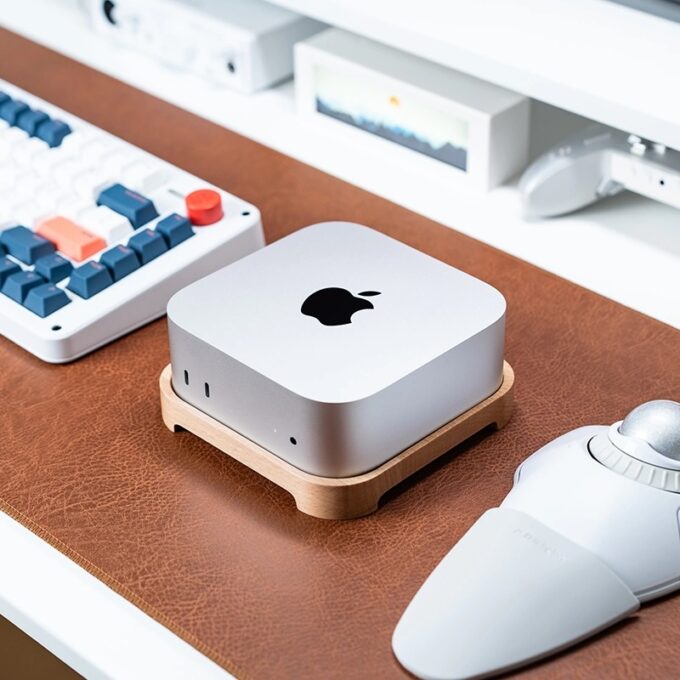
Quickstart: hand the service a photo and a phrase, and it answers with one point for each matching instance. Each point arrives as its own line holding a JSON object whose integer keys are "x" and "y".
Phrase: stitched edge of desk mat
{"x": 299, "y": 579}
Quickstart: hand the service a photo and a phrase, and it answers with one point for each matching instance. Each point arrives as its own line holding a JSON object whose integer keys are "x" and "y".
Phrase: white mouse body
{"x": 588, "y": 532}
{"x": 595, "y": 163}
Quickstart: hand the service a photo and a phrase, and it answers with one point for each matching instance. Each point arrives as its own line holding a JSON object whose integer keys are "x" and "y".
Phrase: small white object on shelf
{"x": 422, "y": 114}
{"x": 246, "y": 45}
{"x": 594, "y": 164}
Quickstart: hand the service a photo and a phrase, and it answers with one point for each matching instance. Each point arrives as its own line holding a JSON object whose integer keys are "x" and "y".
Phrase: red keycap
{"x": 204, "y": 207}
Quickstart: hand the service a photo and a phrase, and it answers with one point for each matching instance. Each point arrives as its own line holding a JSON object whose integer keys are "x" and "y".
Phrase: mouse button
{"x": 511, "y": 591}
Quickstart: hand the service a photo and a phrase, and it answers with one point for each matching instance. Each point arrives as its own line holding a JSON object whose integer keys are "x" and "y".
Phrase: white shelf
{"x": 626, "y": 248}
{"x": 601, "y": 60}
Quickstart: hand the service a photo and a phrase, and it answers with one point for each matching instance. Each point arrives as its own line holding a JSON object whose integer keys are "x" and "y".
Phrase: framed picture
{"x": 391, "y": 99}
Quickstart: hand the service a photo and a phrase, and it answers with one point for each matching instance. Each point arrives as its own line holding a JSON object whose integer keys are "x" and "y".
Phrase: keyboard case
{"x": 61, "y": 194}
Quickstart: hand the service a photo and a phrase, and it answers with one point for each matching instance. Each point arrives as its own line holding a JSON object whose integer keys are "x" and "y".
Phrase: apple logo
{"x": 335, "y": 306}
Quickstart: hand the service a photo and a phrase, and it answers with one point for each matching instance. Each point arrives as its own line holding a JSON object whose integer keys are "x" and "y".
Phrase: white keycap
{"x": 116, "y": 161}
{"x": 5, "y": 198}
{"x": 7, "y": 218}
{"x": 31, "y": 212}
{"x": 105, "y": 223}
{"x": 167, "y": 202}
{"x": 9, "y": 138}
{"x": 14, "y": 135}
{"x": 5, "y": 150}
{"x": 144, "y": 176}
{"x": 22, "y": 189}
{"x": 51, "y": 193}
{"x": 7, "y": 175}
{"x": 93, "y": 152}
{"x": 89, "y": 184}
{"x": 44, "y": 163}
{"x": 24, "y": 153}
{"x": 72, "y": 206}
{"x": 73, "y": 143}
{"x": 65, "y": 172}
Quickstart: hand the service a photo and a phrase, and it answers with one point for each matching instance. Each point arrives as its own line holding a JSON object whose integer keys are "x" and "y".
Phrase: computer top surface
{"x": 273, "y": 311}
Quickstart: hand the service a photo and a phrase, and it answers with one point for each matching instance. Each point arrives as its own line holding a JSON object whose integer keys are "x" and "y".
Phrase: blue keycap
{"x": 120, "y": 261}
{"x": 52, "y": 131}
{"x": 3, "y": 250}
{"x": 46, "y": 299}
{"x": 26, "y": 246}
{"x": 53, "y": 268}
{"x": 175, "y": 229}
{"x": 137, "y": 208}
{"x": 7, "y": 268}
{"x": 4, "y": 97}
{"x": 89, "y": 279}
{"x": 148, "y": 245}
{"x": 11, "y": 110}
{"x": 29, "y": 120}
{"x": 17, "y": 285}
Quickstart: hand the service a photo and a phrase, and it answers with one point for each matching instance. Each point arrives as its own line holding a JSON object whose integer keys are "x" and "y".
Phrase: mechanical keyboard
{"x": 95, "y": 234}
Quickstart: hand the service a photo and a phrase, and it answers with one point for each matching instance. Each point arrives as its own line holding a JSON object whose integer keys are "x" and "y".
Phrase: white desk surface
{"x": 627, "y": 249}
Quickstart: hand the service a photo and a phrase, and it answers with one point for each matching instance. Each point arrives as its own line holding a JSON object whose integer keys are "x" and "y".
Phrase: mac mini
{"x": 336, "y": 348}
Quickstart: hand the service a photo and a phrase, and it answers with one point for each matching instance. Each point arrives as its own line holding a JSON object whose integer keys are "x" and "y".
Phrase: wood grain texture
{"x": 222, "y": 556}
{"x": 345, "y": 497}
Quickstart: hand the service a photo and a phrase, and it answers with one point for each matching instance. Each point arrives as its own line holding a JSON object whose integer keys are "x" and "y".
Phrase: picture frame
{"x": 411, "y": 111}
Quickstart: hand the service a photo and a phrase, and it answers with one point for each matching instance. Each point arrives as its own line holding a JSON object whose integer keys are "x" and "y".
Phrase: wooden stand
{"x": 347, "y": 497}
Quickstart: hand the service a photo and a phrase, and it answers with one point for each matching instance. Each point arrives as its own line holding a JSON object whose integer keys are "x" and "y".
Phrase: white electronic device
{"x": 596, "y": 163}
{"x": 588, "y": 532}
{"x": 336, "y": 347}
{"x": 246, "y": 45}
{"x": 412, "y": 112}
{"x": 96, "y": 234}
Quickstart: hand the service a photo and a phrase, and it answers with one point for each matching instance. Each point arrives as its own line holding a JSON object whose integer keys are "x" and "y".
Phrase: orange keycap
{"x": 70, "y": 238}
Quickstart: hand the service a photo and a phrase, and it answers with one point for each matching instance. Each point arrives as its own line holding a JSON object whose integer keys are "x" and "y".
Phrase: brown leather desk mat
{"x": 219, "y": 555}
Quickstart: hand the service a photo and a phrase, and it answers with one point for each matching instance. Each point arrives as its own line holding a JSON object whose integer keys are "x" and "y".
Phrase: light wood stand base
{"x": 347, "y": 497}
